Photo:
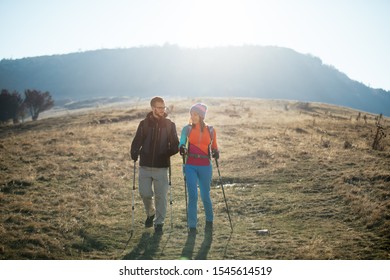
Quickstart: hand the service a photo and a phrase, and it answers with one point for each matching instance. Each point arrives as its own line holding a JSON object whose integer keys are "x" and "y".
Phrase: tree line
{"x": 14, "y": 107}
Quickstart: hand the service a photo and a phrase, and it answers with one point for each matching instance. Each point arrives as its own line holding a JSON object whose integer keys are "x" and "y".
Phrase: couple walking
{"x": 155, "y": 142}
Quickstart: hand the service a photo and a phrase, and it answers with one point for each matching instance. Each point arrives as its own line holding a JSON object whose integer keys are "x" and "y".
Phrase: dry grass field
{"x": 307, "y": 172}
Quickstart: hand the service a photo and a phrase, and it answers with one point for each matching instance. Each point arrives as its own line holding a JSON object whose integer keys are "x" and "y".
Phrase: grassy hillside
{"x": 307, "y": 172}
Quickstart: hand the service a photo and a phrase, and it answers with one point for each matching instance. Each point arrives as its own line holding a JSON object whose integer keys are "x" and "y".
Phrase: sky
{"x": 351, "y": 35}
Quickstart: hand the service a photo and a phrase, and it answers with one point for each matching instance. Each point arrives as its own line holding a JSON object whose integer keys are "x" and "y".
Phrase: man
{"x": 155, "y": 142}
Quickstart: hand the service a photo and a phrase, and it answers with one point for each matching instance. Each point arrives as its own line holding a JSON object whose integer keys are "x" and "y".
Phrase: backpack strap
{"x": 169, "y": 129}
{"x": 211, "y": 131}
{"x": 189, "y": 129}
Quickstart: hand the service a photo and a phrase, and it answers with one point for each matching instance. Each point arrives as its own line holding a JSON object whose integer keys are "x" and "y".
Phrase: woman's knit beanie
{"x": 199, "y": 108}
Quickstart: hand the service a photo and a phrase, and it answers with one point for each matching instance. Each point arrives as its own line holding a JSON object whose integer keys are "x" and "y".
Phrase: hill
{"x": 305, "y": 171}
{"x": 248, "y": 71}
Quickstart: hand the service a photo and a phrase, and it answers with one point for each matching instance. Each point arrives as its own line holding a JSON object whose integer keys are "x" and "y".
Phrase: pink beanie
{"x": 199, "y": 108}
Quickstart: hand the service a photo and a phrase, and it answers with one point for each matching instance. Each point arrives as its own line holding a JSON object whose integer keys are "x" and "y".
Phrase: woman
{"x": 198, "y": 143}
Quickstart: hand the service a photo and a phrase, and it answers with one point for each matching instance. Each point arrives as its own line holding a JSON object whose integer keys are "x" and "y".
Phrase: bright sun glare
{"x": 214, "y": 23}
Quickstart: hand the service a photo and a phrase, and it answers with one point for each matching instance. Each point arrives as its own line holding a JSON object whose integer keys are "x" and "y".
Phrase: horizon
{"x": 349, "y": 35}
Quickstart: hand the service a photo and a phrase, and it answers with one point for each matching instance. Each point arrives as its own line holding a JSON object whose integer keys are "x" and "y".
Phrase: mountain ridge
{"x": 247, "y": 71}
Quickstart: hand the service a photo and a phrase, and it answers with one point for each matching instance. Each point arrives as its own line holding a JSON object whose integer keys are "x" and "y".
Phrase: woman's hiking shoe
{"x": 149, "y": 221}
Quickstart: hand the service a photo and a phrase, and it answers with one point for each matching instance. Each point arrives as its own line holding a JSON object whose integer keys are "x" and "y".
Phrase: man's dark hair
{"x": 155, "y": 100}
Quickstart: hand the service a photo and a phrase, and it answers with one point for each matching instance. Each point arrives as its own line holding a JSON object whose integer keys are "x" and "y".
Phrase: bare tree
{"x": 37, "y": 102}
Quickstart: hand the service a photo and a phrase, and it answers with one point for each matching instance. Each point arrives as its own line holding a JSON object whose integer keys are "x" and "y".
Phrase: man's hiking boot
{"x": 208, "y": 227}
{"x": 149, "y": 221}
{"x": 158, "y": 229}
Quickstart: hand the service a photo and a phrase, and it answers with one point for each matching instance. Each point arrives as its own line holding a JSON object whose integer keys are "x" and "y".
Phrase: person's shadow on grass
{"x": 188, "y": 250}
{"x": 146, "y": 248}
{"x": 205, "y": 246}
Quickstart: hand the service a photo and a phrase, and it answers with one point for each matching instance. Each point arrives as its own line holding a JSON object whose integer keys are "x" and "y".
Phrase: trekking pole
{"x": 170, "y": 191}
{"x": 185, "y": 188}
{"x": 132, "y": 203}
{"x": 223, "y": 191}
{"x": 132, "y": 210}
